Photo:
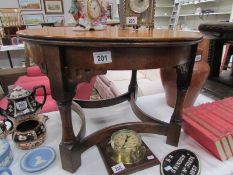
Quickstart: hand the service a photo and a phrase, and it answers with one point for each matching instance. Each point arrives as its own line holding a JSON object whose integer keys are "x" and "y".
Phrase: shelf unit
{"x": 196, "y": 2}
{"x": 190, "y": 18}
{"x": 163, "y": 12}
{"x": 175, "y": 16}
{"x": 206, "y": 14}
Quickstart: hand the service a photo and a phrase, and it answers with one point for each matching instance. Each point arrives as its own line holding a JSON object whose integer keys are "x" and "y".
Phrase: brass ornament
{"x": 127, "y": 147}
{"x": 137, "y": 13}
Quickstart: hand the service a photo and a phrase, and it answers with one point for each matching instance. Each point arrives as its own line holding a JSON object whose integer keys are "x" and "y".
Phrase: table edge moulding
{"x": 67, "y": 58}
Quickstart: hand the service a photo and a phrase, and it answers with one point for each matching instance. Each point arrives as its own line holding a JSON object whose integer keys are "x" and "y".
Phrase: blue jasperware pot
{"x": 6, "y": 156}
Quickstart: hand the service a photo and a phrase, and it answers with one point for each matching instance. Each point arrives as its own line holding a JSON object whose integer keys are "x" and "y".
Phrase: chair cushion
{"x": 84, "y": 90}
{"x": 34, "y": 71}
{"x": 25, "y": 79}
{"x": 50, "y": 104}
{"x": 27, "y": 84}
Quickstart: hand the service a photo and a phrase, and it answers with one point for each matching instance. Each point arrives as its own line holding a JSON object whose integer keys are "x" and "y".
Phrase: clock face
{"x": 93, "y": 9}
{"x": 139, "y": 6}
{"x": 125, "y": 139}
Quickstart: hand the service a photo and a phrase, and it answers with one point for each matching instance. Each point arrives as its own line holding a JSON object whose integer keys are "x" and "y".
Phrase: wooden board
{"x": 149, "y": 160}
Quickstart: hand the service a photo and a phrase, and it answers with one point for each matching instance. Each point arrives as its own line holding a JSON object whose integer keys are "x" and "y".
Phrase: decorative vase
{"x": 168, "y": 77}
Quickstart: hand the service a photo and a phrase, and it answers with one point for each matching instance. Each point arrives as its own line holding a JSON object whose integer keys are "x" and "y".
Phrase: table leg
{"x": 63, "y": 91}
{"x": 184, "y": 76}
{"x": 133, "y": 86}
{"x": 9, "y": 58}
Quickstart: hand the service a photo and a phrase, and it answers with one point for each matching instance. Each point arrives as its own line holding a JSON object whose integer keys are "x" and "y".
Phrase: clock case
{"x": 145, "y": 18}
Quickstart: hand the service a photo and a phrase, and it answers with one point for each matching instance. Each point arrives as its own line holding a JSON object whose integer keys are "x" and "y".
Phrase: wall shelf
{"x": 206, "y": 14}
{"x": 162, "y": 16}
{"x": 169, "y": 6}
{"x": 195, "y": 3}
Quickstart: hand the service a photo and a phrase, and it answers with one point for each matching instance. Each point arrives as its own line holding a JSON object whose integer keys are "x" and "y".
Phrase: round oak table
{"x": 70, "y": 57}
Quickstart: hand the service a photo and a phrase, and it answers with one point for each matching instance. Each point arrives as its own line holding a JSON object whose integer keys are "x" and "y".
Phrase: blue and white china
{"x": 38, "y": 159}
{"x": 5, "y": 171}
{"x": 6, "y": 156}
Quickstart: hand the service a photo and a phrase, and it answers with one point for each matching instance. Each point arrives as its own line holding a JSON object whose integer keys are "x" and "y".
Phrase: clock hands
{"x": 125, "y": 142}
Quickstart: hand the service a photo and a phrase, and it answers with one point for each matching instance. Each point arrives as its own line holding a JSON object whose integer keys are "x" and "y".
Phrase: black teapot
{"x": 27, "y": 126}
{"x": 22, "y": 102}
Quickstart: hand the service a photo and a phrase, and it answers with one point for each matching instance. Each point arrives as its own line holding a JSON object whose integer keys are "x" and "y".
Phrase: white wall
{"x": 231, "y": 18}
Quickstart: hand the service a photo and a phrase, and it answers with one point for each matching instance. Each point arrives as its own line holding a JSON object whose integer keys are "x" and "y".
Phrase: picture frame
{"x": 33, "y": 19}
{"x": 55, "y": 19}
{"x": 53, "y": 7}
{"x": 30, "y": 4}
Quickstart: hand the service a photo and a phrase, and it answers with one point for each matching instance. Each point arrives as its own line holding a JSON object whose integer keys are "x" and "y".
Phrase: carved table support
{"x": 184, "y": 76}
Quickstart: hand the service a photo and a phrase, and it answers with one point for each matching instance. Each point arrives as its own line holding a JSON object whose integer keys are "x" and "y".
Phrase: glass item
{"x": 127, "y": 147}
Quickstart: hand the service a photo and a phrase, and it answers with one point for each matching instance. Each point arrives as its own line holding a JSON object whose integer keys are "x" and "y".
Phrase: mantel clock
{"x": 136, "y": 13}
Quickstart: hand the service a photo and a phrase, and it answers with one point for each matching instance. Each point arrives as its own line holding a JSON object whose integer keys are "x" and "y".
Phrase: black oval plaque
{"x": 180, "y": 162}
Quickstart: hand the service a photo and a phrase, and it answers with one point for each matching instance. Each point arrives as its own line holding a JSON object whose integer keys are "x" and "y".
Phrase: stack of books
{"x": 211, "y": 124}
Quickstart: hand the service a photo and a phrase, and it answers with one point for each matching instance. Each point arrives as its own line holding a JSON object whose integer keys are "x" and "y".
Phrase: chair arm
{"x": 221, "y": 30}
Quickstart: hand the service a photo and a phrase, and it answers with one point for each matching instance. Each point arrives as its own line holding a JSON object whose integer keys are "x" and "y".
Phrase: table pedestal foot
{"x": 173, "y": 133}
{"x": 70, "y": 157}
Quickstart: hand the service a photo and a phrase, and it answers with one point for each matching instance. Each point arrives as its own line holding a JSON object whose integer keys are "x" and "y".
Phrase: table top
{"x": 115, "y": 33}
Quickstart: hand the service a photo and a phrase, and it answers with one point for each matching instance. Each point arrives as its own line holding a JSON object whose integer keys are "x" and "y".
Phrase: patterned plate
{"x": 38, "y": 159}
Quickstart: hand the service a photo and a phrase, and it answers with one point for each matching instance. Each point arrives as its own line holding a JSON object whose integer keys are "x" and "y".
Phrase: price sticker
{"x": 102, "y": 57}
{"x": 118, "y": 168}
{"x": 21, "y": 105}
{"x": 150, "y": 157}
{"x": 133, "y": 20}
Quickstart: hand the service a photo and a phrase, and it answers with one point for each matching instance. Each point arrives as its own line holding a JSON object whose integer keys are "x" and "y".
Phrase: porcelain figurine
{"x": 89, "y": 14}
{"x": 27, "y": 125}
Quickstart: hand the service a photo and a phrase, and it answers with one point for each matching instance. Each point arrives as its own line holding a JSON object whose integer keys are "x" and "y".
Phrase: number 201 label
{"x": 102, "y": 57}
{"x": 131, "y": 20}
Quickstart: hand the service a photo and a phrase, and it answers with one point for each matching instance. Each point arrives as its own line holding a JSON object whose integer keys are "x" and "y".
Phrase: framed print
{"x": 53, "y": 6}
{"x": 55, "y": 19}
{"x": 33, "y": 19}
{"x": 30, "y": 4}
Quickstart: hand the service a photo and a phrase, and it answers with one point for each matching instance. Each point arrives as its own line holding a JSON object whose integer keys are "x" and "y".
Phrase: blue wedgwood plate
{"x": 38, "y": 159}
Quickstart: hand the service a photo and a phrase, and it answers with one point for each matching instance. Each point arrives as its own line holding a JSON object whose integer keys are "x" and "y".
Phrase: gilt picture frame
{"x": 55, "y": 19}
{"x": 33, "y": 19}
{"x": 53, "y": 7}
{"x": 32, "y": 5}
